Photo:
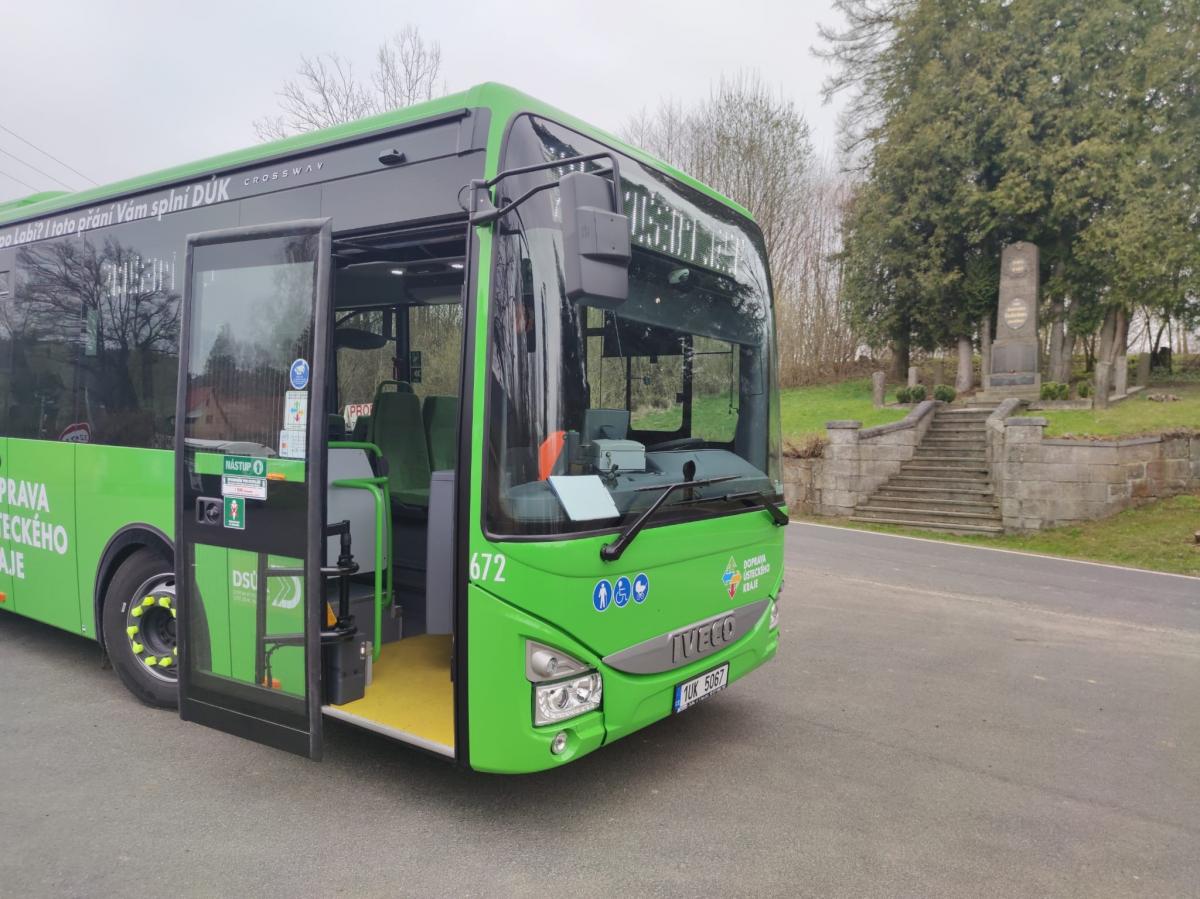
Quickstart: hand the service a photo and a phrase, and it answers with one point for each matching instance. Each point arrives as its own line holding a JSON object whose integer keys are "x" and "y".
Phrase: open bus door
{"x": 250, "y": 475}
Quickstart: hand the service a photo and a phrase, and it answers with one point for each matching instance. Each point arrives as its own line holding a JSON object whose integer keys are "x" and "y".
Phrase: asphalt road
{"x": 940, "y": 721}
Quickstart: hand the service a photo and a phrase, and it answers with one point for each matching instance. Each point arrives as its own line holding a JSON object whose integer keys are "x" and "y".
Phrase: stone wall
{"x": 798, "y": 481}
{"x": 1042, "y": 482}
{"x": 855, "y": 463}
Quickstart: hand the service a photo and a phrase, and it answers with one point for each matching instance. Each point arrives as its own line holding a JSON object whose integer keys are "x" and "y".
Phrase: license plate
{"x": 699, "y": 688}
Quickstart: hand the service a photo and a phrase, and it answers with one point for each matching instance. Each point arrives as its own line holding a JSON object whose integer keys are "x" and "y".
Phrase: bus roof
{"x": 503, "y": 101}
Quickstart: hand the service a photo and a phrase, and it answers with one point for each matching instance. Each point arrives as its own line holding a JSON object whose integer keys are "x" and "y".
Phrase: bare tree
{"x": 816, "y": 338}
{"x": 327, "y": 92}
{"x": 407, "y": 70}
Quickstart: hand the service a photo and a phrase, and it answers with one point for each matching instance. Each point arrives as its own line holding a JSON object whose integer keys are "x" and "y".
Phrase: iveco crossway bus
{"x": 459, "y": 424}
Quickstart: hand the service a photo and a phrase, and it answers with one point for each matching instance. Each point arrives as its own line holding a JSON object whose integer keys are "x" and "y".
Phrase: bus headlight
{"x": 563, "y": 686}
{"x": 543, "y": 663}
{"x": 567, "y": 698}
{"x": 774, "y": 622}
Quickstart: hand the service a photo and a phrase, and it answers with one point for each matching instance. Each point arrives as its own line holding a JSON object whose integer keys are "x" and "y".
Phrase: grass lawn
{"x": 1136, "y": 415}
{"x": 1157, "y": 536}
{"x": 806, "y": 409}
{"x": 712, "y": 417}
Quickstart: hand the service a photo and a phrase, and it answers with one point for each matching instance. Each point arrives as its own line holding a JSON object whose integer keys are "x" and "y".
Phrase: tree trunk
{"x": 1157, "y": 341}
{"x": 1062, "y": 343}
{"x": 1112, "y": 341}
{"x": 964, "y": 379}
{"x": 1121, "y": 353}
{"x": 1057, "y": 328}
{"x": 1103, "y": 384}
{"x": 900, "y": 359}
{"x": 985, "y": 351}
{"x": 1068, "y": 358}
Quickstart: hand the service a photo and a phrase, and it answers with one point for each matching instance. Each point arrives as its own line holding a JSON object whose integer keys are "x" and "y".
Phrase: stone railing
{"x": 856, "y": 462}
{"x": 995, "y": 438}
{"x": 1044, "y": 482}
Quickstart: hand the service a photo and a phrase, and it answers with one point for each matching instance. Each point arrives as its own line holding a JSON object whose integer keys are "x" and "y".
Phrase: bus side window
{"x": 8, "y": 259}
{"x": 41, "y": 379}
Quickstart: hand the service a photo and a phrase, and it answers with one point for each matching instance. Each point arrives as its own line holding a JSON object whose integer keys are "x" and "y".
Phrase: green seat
{"x": 397, "y": 429}
{"x": 441, "y": 428}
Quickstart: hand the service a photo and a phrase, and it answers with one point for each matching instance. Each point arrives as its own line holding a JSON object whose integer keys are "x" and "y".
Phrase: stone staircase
{"x": 947, "y": 486}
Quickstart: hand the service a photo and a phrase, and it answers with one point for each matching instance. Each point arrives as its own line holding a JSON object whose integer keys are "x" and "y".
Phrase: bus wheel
{"x": 139, "y": 628}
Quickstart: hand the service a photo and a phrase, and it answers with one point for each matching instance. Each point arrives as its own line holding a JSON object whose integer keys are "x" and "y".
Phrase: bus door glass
{"x": 249, "y": 448}
{"x": 8, "y": 561}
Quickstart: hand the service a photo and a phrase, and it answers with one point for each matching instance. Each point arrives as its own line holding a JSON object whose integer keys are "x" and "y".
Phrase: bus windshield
{"x": 594, "y": 411}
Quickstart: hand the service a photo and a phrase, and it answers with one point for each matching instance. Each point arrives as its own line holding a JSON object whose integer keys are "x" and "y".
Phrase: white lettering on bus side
{"x": 26, "y": 494}
{"x": 279, "y": 174}
{"x": 131, "y": 212}
{"x": 205, "y": 193}
{"x": 12, "y": 563}
{"x": 175, "y": 201}
{"x": 20, "y": 529}
{"x": 210, "y": 192}
{"x": 34, "y": 532}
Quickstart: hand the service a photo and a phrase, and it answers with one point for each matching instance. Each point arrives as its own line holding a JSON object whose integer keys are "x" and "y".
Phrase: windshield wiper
{"x": 610, "y": 552}
{"x": 750, "y": 497}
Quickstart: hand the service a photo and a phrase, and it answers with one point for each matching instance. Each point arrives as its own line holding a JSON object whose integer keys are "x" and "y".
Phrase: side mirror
{"x": 595, "y": 241}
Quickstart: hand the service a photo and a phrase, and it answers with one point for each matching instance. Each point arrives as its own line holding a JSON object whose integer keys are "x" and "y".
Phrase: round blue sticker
{"x": 602, "y": 595}
{"x": 641, "y": 587}
{"x": 299, "y": 374}
{"x": 622, "y": 591}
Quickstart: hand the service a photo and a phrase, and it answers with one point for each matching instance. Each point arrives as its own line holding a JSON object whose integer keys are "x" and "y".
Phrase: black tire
{"x": 144, "y": 575}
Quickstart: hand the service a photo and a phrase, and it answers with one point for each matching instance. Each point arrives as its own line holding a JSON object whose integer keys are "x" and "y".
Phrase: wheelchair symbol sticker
{"x": 622, "y": 591}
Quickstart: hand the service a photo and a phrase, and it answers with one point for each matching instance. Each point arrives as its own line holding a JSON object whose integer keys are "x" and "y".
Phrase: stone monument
{"x": 1015, "y": 370}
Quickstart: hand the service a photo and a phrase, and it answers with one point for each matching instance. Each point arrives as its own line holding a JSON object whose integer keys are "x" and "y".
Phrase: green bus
{"x": 459, "y": 424}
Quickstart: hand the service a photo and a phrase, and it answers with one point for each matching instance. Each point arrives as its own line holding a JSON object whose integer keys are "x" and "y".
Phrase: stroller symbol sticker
{"x": 299, "y": 374}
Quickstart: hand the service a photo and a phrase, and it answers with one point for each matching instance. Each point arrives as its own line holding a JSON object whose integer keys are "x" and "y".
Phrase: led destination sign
{"x": 660, "y": 218}
{"x": 657, "y": 224}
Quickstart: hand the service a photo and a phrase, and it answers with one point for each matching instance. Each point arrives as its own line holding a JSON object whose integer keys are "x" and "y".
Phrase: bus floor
{"x": 411, "y": 697}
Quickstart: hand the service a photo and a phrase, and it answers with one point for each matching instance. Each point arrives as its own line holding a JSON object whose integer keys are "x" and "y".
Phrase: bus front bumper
{"x": 503, "y": 738}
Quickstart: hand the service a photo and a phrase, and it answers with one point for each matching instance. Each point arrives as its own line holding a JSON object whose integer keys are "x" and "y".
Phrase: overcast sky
{"x": 117, "y": 88}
